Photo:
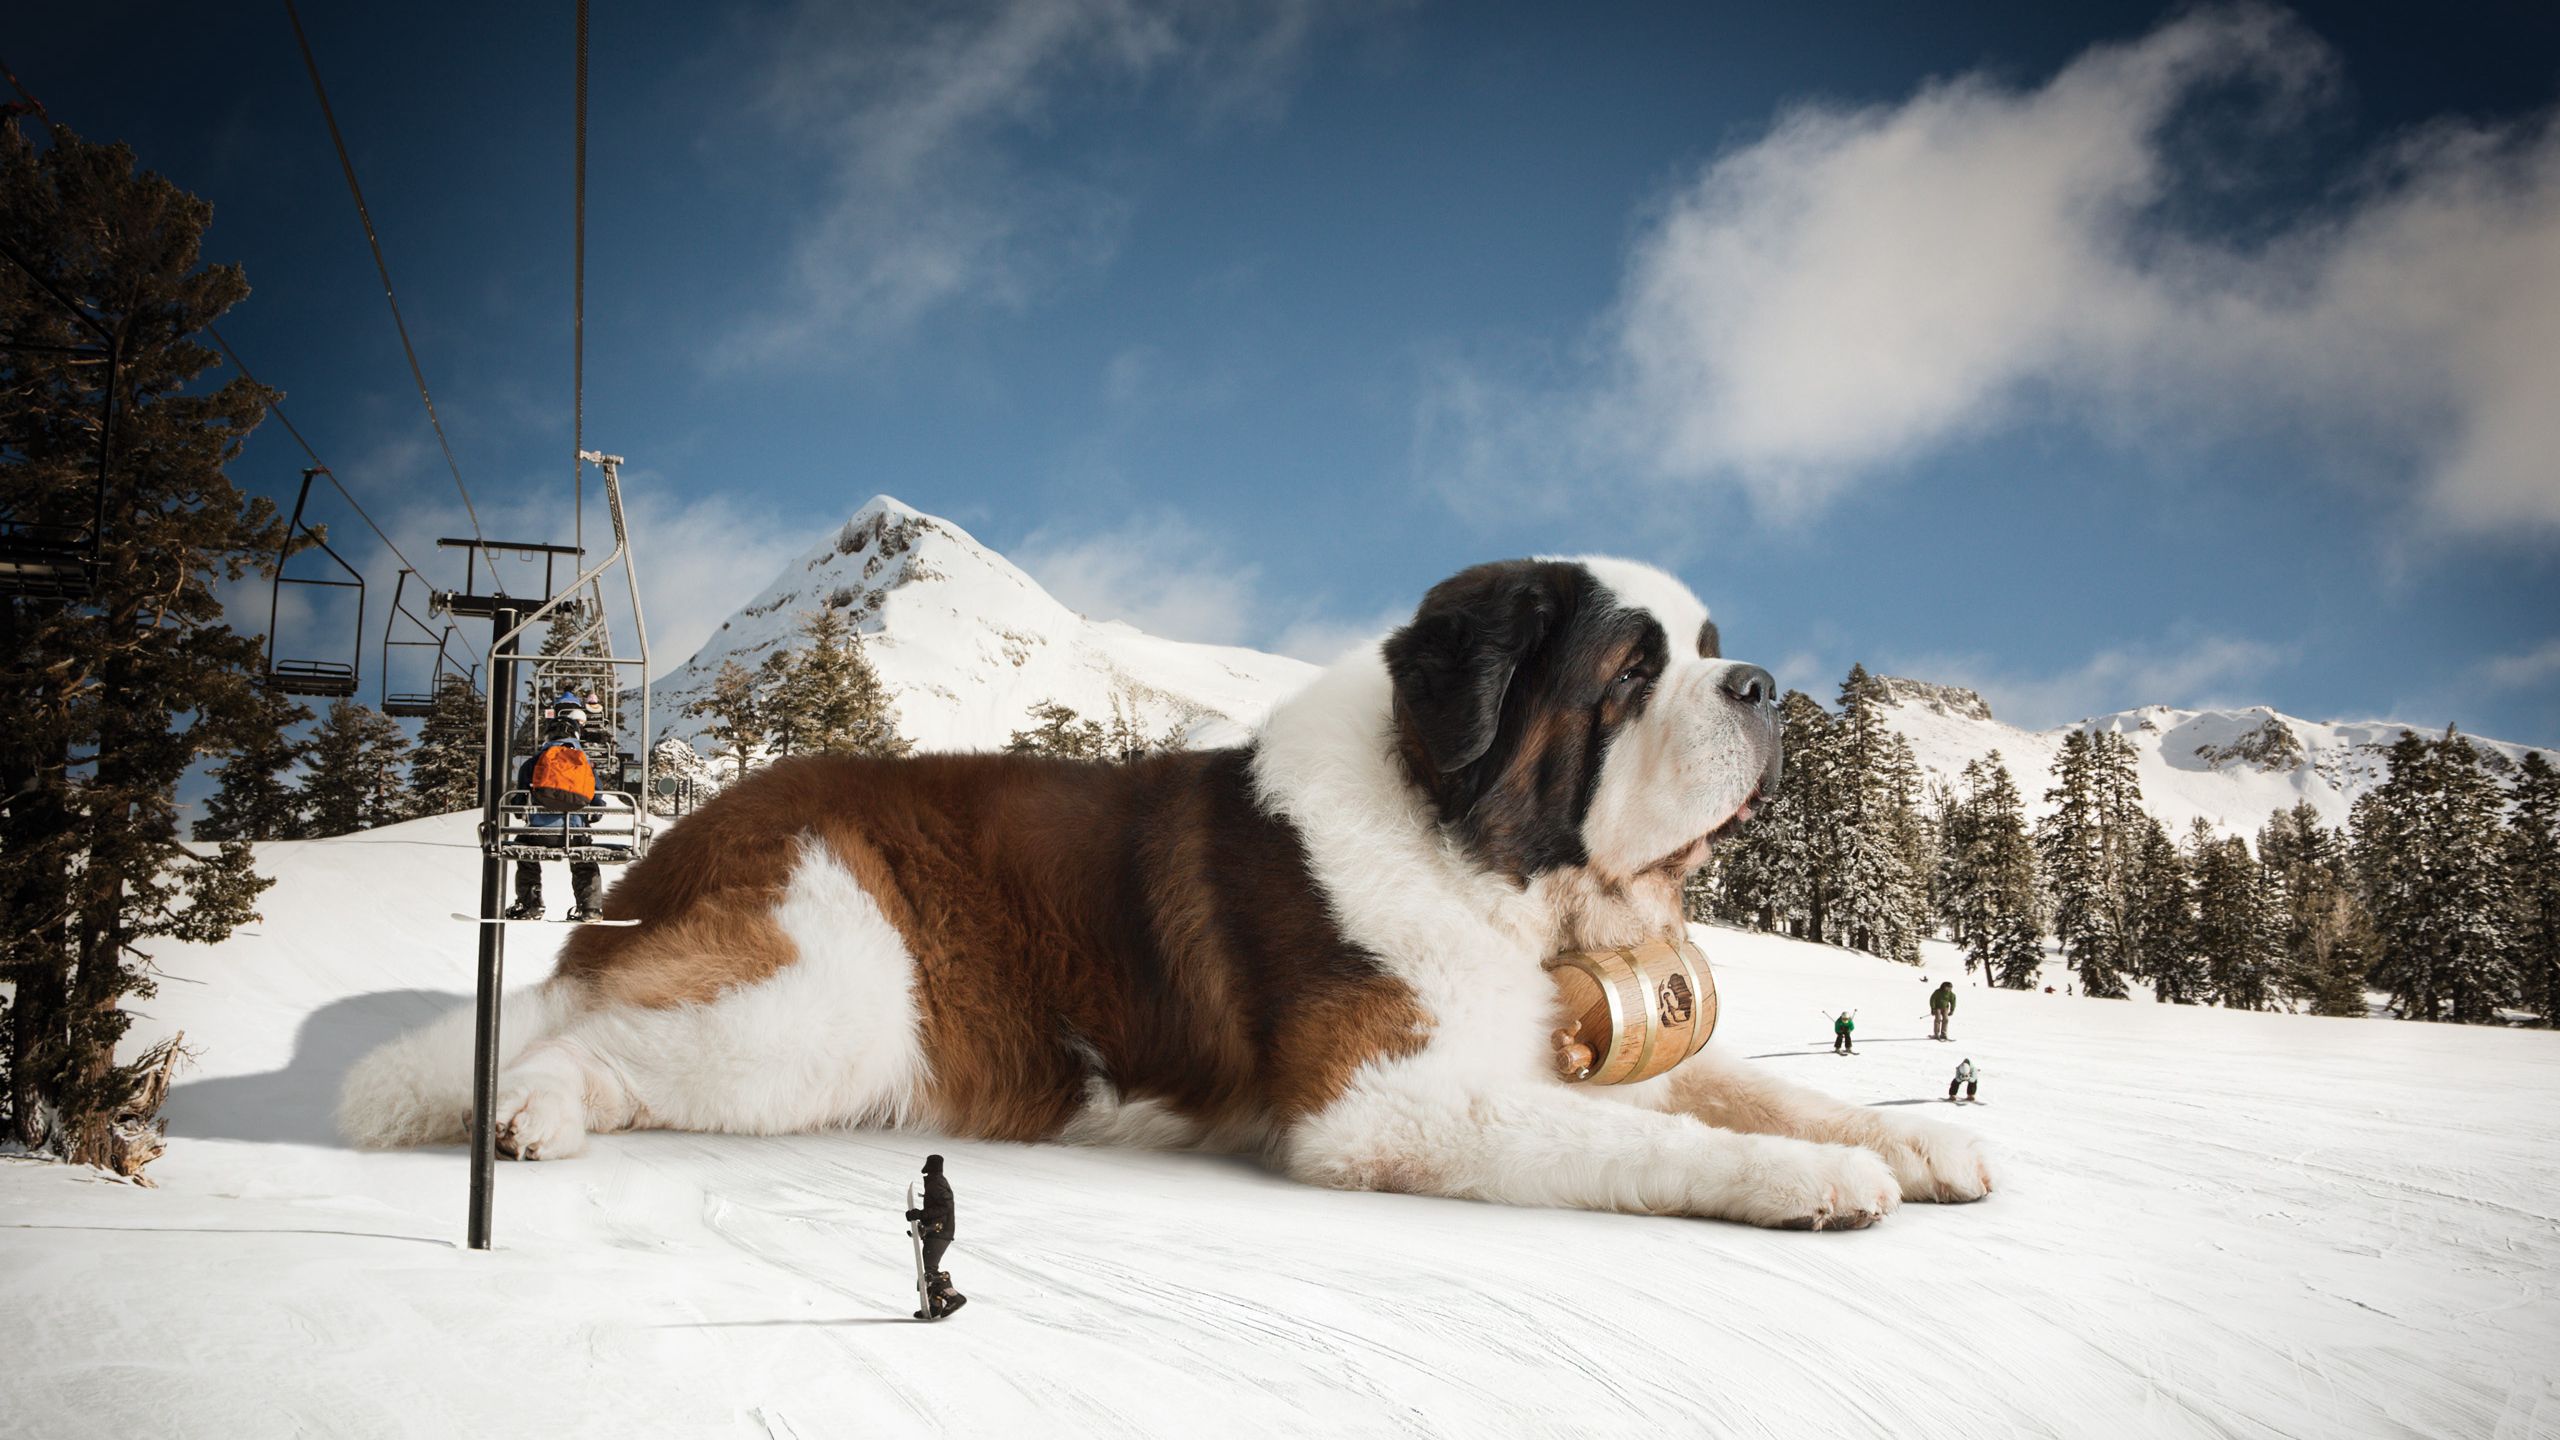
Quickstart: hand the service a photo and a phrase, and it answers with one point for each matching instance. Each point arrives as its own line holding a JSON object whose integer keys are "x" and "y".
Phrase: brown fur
{"x": 1145, "y": 924}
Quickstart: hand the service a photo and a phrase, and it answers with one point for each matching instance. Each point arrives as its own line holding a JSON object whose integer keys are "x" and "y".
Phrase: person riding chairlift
{"x": 563, "y": 724}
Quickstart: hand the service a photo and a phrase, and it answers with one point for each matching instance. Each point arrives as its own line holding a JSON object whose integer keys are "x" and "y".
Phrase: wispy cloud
{"x": 1159, "y": 572}
{"x": 2523, "y": 671}
{"x": 1858, "y": 288}
{"x": 2204, "y": 671}
{"x": 918, "y": 117}
{"x": 1167, "y": 576}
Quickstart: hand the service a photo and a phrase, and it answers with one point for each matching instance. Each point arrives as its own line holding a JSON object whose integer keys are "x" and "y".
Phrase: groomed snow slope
{"x": 2208, "y": 1224}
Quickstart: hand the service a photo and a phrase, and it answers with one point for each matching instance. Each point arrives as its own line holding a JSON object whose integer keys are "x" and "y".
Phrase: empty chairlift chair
{"x": 329, "y": 679}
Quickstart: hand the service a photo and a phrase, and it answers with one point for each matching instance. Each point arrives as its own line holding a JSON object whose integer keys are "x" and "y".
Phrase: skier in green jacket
{"x": 1840, "y": 1029}
{"x": 1942, "y": 1008}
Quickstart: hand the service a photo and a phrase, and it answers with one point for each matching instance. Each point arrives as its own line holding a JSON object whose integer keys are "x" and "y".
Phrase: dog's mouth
{"x": 1694, "y": 854}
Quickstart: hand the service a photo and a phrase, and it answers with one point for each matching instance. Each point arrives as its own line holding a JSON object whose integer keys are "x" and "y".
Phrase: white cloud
{"x": 1168, "y": 577}
{"x": 1858, "y": 288}
{"x": 1160, "y": 573}
{"x": 2203, "y": 672}
{"x": 703, "y": 558}
{"x": 917, "y": 114}
{"x": 1321, "y": 640}
{"x": 2538, "y": 666}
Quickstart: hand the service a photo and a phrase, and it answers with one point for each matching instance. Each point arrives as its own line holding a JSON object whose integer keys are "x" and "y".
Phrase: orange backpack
{"x": 562, "y": 777}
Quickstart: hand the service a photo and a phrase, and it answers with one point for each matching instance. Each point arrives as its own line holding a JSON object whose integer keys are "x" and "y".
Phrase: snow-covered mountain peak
{"x": 966, "y": 643}
{"x": 2232, "y": 767}
{"x": 1952, "y": 700}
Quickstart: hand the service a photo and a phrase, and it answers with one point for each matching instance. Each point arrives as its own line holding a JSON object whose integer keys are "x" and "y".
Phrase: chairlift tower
{"x": 616, "y": 835}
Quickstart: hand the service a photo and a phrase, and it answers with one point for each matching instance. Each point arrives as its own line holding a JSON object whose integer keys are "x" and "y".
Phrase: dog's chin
{"x": 1686, "y": 860}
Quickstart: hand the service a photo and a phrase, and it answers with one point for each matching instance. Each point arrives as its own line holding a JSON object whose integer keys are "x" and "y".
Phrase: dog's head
{"x": 1566, "y": 713}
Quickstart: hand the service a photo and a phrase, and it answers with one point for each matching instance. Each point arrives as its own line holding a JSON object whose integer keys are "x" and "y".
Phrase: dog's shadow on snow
{"x": 298, "y": 1104}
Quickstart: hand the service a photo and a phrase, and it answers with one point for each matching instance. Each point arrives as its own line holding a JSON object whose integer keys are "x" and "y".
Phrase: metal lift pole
{"x": 493, "y": 938}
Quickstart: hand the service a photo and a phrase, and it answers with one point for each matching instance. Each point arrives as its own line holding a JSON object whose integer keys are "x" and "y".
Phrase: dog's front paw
{"x": 1936, "y": 1162}
{"x": 1805, "y": 1185}
{"x": 540, "y": 1122}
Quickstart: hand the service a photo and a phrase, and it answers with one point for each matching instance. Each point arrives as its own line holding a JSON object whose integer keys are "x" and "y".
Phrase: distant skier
{"x": 1840, "y": 1029}
{"x": 935, "y": 1222}
{"x": 1942, "y": 1008}
{"x": 1968, "y": 1079}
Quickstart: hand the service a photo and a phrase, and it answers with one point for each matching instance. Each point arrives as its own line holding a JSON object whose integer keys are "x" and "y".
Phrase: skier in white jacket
{"x": 1968, "y": 1079}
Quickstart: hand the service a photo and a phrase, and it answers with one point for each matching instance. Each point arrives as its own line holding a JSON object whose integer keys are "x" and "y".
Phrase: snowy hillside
{"x": 2209, "y": 1223}
{"x": 2233, "y": 767}
{"x": 966, "y": 643}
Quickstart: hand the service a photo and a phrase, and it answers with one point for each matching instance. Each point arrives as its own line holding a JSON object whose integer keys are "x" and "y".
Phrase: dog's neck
{"x": 1592, "y": 913}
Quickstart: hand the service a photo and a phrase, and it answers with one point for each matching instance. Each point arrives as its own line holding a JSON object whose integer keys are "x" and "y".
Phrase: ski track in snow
{"x": 2208, "y": 1224}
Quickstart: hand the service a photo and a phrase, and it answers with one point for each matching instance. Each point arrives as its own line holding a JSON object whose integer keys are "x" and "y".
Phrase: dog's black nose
{"x": 1751, "y": 685}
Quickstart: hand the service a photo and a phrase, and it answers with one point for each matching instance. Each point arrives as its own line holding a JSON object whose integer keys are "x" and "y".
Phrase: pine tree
{"x": 2087, "y": 845}
{"x": 1061, "y": 732}
{"x": 1877, "y": 903}
{"x": 110, "y": 698}
{"x": 736, "y": 713}
{"x": 2319, "y": 934}
{"x": 826, "y": 696}
{"x": 444, "y": 776}
{"x": 2533, "y": 886}
{"x": 2428, "y": 856}
{"x": 2230, "y": 932}
{"x": 353, "y": 780}
{"x": 251, "y": 800}
{"x": 1987, "y": 884}
{"x": 1769, "y": 875}
{"x": 2162, "y": 946}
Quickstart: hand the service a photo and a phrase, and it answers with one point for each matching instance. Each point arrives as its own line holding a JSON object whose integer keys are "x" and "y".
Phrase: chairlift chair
{"x": 332, "y": 679}
{"x": 405, "y": 703}
{"x": 58, "y": 559}
{"x": 617, "y": 831}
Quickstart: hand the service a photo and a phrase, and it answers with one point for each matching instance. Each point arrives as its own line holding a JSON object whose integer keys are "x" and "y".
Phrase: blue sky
{"x": 2092, "y": 355}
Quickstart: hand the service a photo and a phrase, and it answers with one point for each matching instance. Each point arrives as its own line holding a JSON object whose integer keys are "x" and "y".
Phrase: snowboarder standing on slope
{"x": 1840, "y": 1029}
{"x": 935, "y": 1220}
{"x": 1968, "y": 1079}
{"x": 1942, "y": 1008}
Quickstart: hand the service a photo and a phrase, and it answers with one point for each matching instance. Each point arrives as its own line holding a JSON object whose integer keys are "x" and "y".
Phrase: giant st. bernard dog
{"x": 1323, "y": 947}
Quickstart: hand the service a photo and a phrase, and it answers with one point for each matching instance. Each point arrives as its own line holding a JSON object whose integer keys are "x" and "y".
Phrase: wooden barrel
{"x": 1637, "y": 1009}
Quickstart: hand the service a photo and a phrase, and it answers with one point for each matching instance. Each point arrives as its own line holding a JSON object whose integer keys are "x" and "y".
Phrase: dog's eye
{"x": 1631, "y": 678}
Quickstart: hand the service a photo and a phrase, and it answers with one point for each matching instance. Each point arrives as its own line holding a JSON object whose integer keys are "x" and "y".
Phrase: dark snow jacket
{"x": 1843, "y": 1025}
{"x": 1944, "y": 1000}
{"x": 937, "y": 1213}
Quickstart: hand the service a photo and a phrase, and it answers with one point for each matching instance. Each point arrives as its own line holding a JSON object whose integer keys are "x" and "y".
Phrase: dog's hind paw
{"x": 1934, "y": 1162}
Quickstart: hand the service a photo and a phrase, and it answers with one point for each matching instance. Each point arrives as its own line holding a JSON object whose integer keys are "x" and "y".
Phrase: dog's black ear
{"x": 1454, "y": 663}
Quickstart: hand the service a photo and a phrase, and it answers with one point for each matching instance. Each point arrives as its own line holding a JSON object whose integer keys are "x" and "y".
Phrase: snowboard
{"x": 536, "y": 920}
{"x": 924, "y": 1281}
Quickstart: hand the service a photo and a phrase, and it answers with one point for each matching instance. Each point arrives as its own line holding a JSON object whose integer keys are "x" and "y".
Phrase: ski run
{"x": 2209, "y": 1223}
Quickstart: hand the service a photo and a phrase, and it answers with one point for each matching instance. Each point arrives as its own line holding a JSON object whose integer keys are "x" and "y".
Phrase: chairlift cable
{"x": 312, "y": 64}
{"x": 285, "y": 420}
{"x": 578, "y": 315}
